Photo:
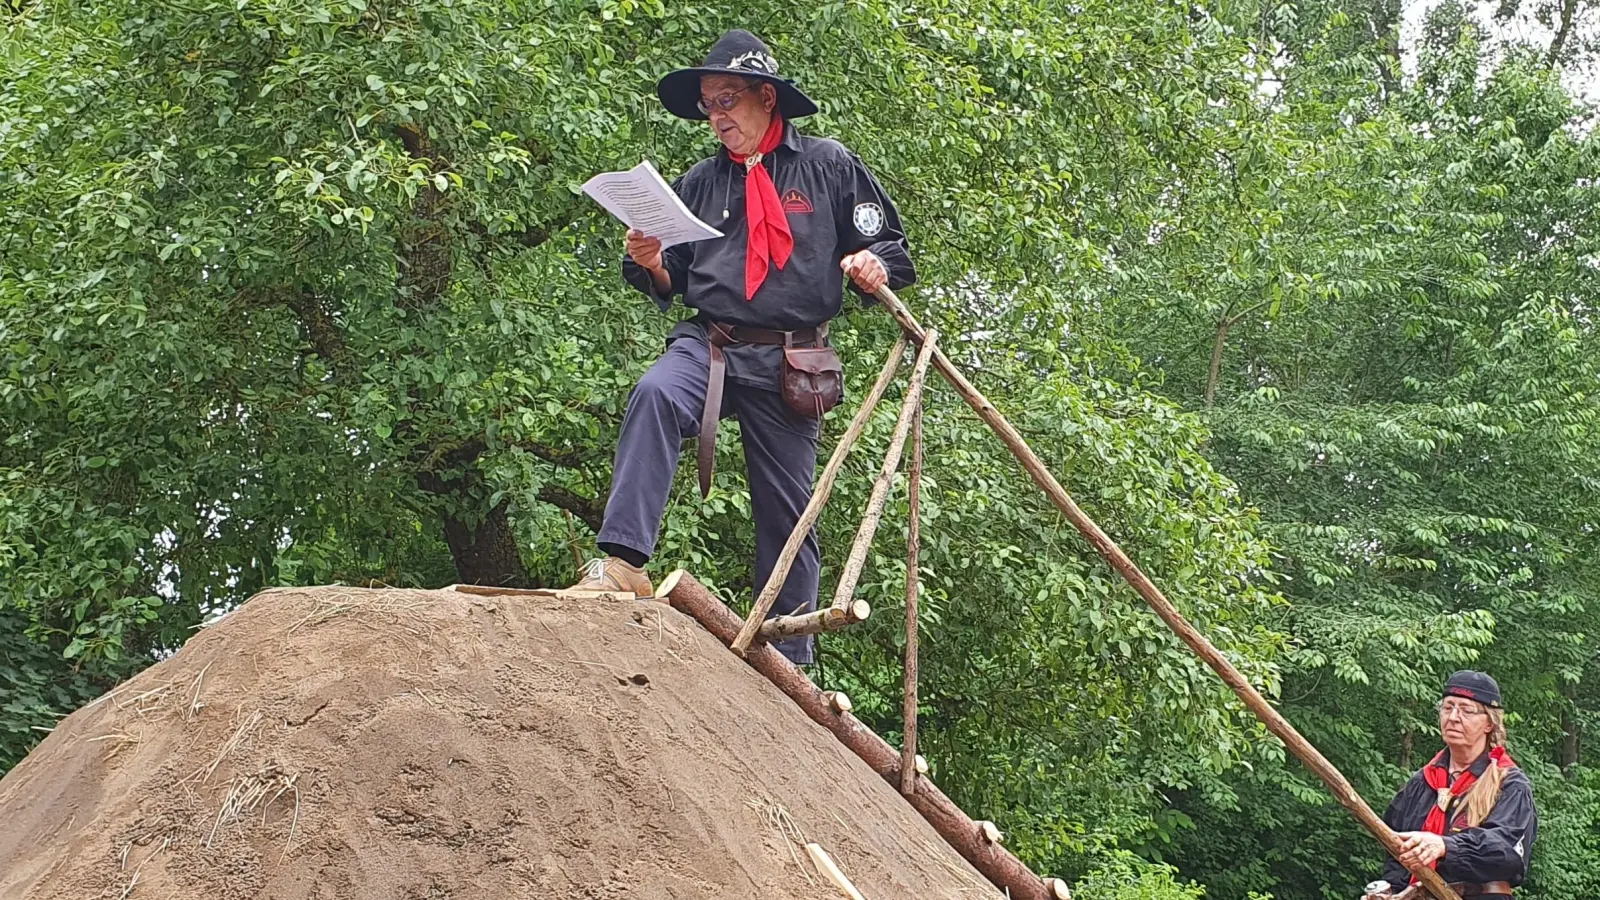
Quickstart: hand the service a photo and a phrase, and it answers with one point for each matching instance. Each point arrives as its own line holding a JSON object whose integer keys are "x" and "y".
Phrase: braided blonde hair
{"x": 1485, "y": 793}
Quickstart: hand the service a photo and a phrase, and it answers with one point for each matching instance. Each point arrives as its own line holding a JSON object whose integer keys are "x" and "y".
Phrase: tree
{"x": 1419, "y": 433}
{"x": 302, "y": 291}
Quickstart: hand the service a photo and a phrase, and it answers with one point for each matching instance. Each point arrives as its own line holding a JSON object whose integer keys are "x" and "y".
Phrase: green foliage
{"x": 302, "y": 291}
{"x": 1126, "y": 877}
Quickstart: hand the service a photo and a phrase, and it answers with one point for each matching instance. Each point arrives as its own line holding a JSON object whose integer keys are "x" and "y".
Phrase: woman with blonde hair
{"x": 1469, "y": 812}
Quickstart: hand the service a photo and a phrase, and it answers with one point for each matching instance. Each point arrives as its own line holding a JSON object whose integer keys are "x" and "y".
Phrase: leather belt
{"x": 1488, "y": 889}
{"x": 722, "y": 334}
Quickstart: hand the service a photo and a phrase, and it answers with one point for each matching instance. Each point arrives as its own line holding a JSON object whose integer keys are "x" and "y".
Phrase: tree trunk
{"x": 1386, "y": 16}
{"x": 1571, "y": 741}
{"x": 1216, "y": 360}
{"x": 1569, "y": 12}
{"x": 487, "y": 553}
{"x": 1408, "y": 743}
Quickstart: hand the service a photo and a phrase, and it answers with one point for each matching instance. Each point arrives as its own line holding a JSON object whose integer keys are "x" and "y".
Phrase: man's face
{"x": 741, "y": 128}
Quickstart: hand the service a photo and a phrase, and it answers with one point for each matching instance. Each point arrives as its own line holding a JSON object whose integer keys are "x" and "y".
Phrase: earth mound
{"x": 341, "y": 743}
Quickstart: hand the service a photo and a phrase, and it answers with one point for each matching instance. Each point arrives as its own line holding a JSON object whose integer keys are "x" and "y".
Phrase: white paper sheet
{"x": 643, "y": 200}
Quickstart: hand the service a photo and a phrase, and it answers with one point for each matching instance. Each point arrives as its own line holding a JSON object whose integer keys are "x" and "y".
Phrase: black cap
{"x": 1474, "y": 686}
{"x": 736, "y": 53}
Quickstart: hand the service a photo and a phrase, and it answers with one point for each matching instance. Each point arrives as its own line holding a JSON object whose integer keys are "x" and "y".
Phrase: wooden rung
{"x": 819, "y": 497}
{"x": 830, "y": 618}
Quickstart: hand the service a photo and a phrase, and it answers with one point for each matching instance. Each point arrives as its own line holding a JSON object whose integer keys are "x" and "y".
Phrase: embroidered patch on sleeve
{"x": 796, "y": 202}
{"x": 869, "y": 219}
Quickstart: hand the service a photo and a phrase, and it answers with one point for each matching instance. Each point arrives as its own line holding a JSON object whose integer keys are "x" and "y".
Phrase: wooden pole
{"x": 1113, "y": 554}
{"x": 851, "y": 574}
{"x": 908, "y": 741}
{"x": 829, "y": 618}
{"x": 996, "y": 863}
{"x": 819, "y": 497}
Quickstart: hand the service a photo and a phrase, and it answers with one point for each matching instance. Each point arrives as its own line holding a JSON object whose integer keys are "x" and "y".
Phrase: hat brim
{"x": 680, "y": 92}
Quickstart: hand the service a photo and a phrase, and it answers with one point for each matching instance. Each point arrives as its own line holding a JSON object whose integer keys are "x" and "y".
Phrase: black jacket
{"x": 835, "y": 207}
{"x": 1496, "y": 850}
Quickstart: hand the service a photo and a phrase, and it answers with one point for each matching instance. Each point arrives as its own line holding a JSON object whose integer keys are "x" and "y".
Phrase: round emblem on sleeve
{"x": 869, "y": 219}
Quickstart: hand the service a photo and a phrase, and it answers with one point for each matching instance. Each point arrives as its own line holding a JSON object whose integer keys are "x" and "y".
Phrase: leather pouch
{"x": 813, "y": 380}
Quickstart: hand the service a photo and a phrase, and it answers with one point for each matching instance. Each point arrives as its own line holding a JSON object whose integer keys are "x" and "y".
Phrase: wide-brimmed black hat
{"x": 1474, "y": 686}
{"x": 736, "y": 53}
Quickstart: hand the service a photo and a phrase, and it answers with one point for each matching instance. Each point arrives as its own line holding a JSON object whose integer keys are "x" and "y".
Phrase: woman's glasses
{"x": 1461, "y": 711}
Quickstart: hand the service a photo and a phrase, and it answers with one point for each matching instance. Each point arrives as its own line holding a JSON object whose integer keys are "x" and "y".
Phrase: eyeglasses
{"x": 725, "y": 102}
{"x": 1461, "y": 710}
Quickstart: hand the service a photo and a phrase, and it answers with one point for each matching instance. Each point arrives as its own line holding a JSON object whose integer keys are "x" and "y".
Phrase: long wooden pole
{"x": 1004, "y": 870}
{"x": 850, "y": 575}
{"x": 819, "y": 497}
{"x": 1113, "y": 554}
{"x": 908, "y": 743}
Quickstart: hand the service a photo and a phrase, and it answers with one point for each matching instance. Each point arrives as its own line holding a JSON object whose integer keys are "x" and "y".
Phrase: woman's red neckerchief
{"x": 1437, "y": 774}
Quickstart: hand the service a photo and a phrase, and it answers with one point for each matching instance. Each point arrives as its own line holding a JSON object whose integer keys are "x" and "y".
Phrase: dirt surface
{"x": 339, "y": 743}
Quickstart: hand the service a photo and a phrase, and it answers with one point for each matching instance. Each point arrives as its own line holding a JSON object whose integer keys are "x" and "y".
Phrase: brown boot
{"x": 613, "y": 574}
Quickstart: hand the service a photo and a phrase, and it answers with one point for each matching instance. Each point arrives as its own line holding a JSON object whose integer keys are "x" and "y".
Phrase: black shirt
{"x": 835, "y": 208}
{"x": 1498, "y": 849}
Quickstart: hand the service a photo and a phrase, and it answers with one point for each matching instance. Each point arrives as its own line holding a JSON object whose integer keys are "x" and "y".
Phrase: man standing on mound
{"x": 799, "y": 215}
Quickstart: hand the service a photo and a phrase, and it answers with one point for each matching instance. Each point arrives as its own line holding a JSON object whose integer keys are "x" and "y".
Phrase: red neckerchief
{"x": 1437, "y": 775}
{"x": 768, "y": 235}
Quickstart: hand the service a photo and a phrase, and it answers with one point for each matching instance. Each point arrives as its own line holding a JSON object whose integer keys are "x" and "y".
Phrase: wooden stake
{"x": 830, "y": 869}
{"x": 819, "y": 497}
{"x": 1113, "y": 554}
{"x": 908, "y": 743}
{"x": 829, "y": 618}
{"x": 880, "y": 488}
{"x": 996, "y": 863}
{"x": 572, "y": 542}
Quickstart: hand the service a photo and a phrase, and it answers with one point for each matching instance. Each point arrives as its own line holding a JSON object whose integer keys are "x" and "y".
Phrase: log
{"x": 991, "y": 832}
{"x": 830, "y": 618}
{"x": 1058, "y": 889}
{"x": 908, "y": 743}
{"x": 819, "y": 497}
{"x": 880, "y": 488}
{"x": 1152, "y": 596}
{"x": 830, "y": 870}
{"x": 997, "y": 864}
{"x": 838, "y": 701}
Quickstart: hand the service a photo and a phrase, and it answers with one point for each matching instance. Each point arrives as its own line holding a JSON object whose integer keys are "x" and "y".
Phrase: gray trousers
{"x": 780, "y": 455}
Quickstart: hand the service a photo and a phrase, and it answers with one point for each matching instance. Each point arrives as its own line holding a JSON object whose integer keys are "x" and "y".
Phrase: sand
{"x": 341, "y": 743}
